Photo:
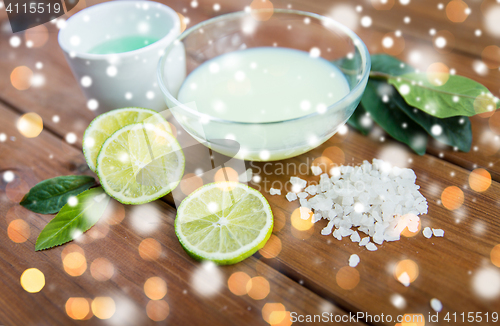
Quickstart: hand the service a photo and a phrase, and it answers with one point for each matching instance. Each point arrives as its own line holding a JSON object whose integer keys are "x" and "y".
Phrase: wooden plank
{"x": 30, "y": 160}
{"x": 447, "y": 265}
{"x": 61, "y": 96}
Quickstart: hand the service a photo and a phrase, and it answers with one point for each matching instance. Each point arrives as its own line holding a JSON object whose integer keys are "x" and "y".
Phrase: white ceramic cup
{"x": 126, "y": 79}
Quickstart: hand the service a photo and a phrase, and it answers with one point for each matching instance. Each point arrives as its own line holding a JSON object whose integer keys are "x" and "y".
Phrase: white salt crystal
{"x": 302, "y": 194}
{"x": 304, "y": 203}
{"x": 355, "y": 237}
{"x": 345, "y": 231}
{"x": 436, "y": 305}
{"x": 335, "y": 172}
{"x": 312, "y": 190}
{"x": 273, "y": 191}
{"x": 291, "y": 196}
{"x": 327, "y": 229}
{"x": 305, "y": 213}
{"x": 376, "y": 198}
{"x": 354, "y": 260}
{"x": 427, "y": 232}
{"x": 336, "y": 234}
{"x": 316, "y": 218}
{"x": 316, "y": 170}
{"x": 298, "y": 183}
{"x": 364, "y": 241}
{"x": 378, "y": 238}
{"x": 371, "y": 247}
{"x": 438, "y": 232}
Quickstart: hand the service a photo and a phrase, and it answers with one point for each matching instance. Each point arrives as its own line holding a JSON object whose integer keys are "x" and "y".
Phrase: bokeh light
{"x": 479, "y": 180}
{"x": 101, "y": 269}
{"x": 207, "y": 279}
{"x": 114, "y": 213}
{"x": 103, "y": 307}
{"x": 155, "y": 288}
{"x": 237, "y": 283}
{"x": 491, "y": 56}
{"x": 457, "y": 11}
{"x": 78, "y": 308}
{"x": 486, "y": 104}
{"x": 444, "y": 41}
{"x": 183, "y": 24}
{"x": 452, "y": 197}
{"x": 393, "y": 43}
{"x": 18, "y": 231}
{"x": 494, "y": 122}
{"x": 157, "y": 310}
{"x": 30, "y": 125}
{"x": 36, "y": 36}
{"x": 32, "y": 280}
{"x": 98, "y": 231}
{"x": 301, "y": 224}
{"x": 347, "y": 278}
{"x": 150, "y": 249}
{"x": 272, "y": 247}
{"x": 438, "y": 73}
{"x": 226, "y": 174}
{"x": 258, "y": 288}
{"x": 324, "y": 163}
{"x": 406, "y": 270}
{"x": 190, "y": 182}
{"x": 335, "y": 154}
{"x": 20, "y": 78}
{"x": 495, "y": 255}
{"x": 16, "y": 189}
{"x": 382, "y": 4}
{"x": 407, "y": 233}
{"x": 269, "y": 309}
{"x": 279, "y": 221}
{"x": 73, "y": 258}
{"x": 486, "y": 283}
{"x": 266, "y": 8}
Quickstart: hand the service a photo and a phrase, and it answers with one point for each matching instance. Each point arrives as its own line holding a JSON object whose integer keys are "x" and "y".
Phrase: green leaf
{"x": 357, "y": 120}
{"x": 386, "y": 64}
{"x": 455, "y": 131}
{"x": 72, "y": 221}
{"x": 48, "y": 196}
{"x": 458, "y": 96}
{"x": 395, "y": 122}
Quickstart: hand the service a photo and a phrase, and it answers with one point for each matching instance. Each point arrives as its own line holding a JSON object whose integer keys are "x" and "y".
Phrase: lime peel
{"x": 224, "y": 222}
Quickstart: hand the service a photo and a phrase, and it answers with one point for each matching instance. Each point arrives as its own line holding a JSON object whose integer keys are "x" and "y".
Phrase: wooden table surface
{"x": 304, "y": 277}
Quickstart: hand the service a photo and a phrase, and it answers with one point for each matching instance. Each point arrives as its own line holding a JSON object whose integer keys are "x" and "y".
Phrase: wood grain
{"x": 61, "y": 95}
{"x": 447, "y": 266}
{"x": 119, "y": 246}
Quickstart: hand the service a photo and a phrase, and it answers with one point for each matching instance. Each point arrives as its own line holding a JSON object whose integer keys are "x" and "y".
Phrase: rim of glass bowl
{"x": 358, "y": 43}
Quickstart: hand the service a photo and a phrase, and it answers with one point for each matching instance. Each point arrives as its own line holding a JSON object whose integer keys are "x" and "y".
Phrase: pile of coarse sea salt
{"x": 378, "y": 199}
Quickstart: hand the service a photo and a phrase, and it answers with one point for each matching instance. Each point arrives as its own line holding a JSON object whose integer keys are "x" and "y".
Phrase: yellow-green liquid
{"x": 122, "y": 44}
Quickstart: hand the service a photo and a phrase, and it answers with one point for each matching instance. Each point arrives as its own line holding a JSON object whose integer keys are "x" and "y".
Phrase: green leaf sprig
{"x": 408, "y": 106}
{"x": 49, "y": 196}
{"x": 78, "y": 208}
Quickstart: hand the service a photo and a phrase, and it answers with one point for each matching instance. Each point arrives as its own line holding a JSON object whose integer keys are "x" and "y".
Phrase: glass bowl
{"x": 267, "y": 141}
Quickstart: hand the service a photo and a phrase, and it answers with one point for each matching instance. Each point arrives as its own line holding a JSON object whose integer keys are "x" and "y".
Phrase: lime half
{"x": 140, "y": 163}
{"x": 107, "y": 123}
{"x": 224, "y": 222}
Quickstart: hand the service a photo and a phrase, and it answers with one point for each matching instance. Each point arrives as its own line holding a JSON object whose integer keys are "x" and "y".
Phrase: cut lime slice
{"x": 140, "y": 163}
{"x": 224, "y": 222}
{"x": 106, "y": 124}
